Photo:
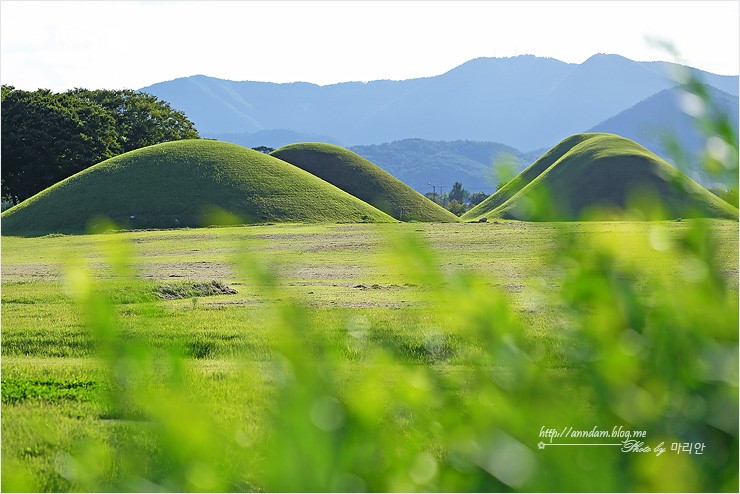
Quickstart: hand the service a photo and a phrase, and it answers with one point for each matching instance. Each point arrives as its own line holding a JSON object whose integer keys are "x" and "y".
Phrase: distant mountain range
{"x": 522, "y": 104}
{"x": 433, "y": 166}
{"x": 526, "y": 102}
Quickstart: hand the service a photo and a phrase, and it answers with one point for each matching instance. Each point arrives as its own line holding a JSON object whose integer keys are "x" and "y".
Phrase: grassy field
{"x": 412, "y": 357}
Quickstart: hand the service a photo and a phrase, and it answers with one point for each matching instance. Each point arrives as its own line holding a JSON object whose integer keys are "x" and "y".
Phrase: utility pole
{"x": 434, "y": 191}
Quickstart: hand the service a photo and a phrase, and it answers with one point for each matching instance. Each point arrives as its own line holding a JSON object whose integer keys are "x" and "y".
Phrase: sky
{"x": 60, "y": 45}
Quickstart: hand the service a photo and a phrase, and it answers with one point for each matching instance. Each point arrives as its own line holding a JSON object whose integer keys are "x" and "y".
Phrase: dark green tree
{"x": 47, "y": 137}
{"x": 141, "y": 119}
{"x": 477, "y": 198}
{"x": 264, "y": 149}
{"x": 432, "y": 196}
{"x": 457, "y": 193}
{"x": 456, "y": 207}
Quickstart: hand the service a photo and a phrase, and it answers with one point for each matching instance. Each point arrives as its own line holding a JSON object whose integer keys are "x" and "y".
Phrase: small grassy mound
{"x": 601, "y": 176}
{"x": 180, "y": 184}
{"x": 193, "y": 289}
{"x": 363, "y": 179}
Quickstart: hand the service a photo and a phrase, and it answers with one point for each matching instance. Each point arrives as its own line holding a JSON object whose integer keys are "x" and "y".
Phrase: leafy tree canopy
{"x": 141, "y": 119}
{"x": 477, "y": 198}
{"x": 47, "y": 136}
{"x": 457, "y": 193}
{"x": 456, "y": 207}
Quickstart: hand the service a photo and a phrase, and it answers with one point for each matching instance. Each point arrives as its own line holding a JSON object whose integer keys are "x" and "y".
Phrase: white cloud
{"x": 132, "y": 44}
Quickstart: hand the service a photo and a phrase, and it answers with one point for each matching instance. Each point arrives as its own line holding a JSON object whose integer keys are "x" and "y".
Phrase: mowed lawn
{"x": 383, "y": 282}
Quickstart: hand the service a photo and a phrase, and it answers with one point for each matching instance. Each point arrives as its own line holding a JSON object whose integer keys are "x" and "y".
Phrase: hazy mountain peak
{"x": 605, "y": 57}
{"x": 525, "y": 101}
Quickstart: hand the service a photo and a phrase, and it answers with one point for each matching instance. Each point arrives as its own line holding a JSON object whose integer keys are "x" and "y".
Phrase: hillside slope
{"x": 661, "y": 116}
{"x": 175, "y": 184}
{"x": 363, "y": 179}
{"x": 596, "y": 175}
{"x": 419, "y": 162}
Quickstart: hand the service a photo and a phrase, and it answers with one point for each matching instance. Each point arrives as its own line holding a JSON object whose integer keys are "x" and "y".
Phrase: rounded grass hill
{"x": 363, "y": 179}
{"x": 600, "y": 176}
{"x": 176, "y": 184}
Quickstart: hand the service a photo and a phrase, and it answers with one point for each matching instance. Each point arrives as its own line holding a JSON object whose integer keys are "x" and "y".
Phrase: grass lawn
{"x": 383, "y": 357}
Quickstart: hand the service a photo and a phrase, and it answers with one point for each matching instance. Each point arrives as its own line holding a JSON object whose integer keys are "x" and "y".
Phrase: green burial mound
{"x": 182, "y": 184}
{"x": 363, "y": 179}
{"x": 600, "y": 176}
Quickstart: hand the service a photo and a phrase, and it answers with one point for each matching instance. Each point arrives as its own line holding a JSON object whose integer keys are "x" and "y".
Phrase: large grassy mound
{"x": 600, "y": 176}
{"x": 176, "y": 184}
{"x": 361, "y": 178}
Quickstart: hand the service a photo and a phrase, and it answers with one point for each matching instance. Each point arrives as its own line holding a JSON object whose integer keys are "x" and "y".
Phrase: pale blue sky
{"x": 62, "y": 44}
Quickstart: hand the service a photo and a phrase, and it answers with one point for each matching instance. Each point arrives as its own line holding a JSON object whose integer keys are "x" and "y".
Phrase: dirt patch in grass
{"x": 190, "y": 270}
{"x": 343, "y": 272}
{"x": 364, "y": 304}
{"x": 31, "y": 272}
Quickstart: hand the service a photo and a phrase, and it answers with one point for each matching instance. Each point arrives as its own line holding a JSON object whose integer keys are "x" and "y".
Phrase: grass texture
{"x": 183, "y": 184}
{"x": 599, "y": 176}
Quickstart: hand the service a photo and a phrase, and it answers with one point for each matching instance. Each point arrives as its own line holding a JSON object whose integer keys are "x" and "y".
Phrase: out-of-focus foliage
{"x": 642, "y": 347}
{"x": 348, "y": 412}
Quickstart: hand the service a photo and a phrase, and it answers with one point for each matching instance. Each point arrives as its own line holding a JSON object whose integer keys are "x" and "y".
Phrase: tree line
{"x": 47, "y": 136}
{"x": 457, "y": 200}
